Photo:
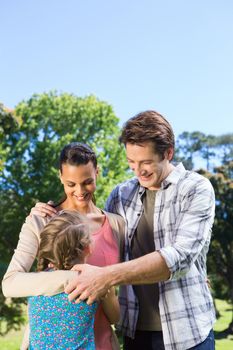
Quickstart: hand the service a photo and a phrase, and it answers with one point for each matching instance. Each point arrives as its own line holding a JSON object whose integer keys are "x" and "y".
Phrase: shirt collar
{"x": 174, "y": 176}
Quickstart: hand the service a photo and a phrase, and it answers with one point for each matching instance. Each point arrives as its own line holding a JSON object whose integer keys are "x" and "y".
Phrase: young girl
{"x": 56, "y": 323}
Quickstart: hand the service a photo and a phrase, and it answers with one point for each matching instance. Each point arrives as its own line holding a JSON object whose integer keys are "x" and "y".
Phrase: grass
{"x": 223, "y": 343}
{"x": 13, "y": 339}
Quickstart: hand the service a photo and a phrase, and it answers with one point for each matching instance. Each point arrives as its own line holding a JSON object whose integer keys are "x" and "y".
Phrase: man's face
{"x": 147, "y": 165}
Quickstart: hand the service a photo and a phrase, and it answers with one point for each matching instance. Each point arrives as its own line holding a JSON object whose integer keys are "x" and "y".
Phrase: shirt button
{"x": 138, "y": 214}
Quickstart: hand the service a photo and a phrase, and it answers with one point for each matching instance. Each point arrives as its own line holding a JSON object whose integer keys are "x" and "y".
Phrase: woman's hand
{"x": 44, "y": 209}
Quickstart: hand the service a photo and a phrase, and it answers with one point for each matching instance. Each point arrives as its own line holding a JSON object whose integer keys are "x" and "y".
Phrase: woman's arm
{"x": 111, "y": 306}
{"x": 17, "y": 282}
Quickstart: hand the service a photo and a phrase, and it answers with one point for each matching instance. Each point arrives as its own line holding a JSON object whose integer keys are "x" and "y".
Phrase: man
{"x": 169, "y": 212}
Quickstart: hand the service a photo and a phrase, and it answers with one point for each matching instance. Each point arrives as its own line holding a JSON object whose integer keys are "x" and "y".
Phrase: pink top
{"x": 105, "y": 252}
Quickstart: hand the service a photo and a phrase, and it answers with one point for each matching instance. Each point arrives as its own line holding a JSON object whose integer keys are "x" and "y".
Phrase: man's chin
{"x": 145, "y": 184}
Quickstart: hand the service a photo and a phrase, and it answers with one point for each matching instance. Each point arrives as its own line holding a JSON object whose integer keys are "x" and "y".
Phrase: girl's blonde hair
{"x": 63, "y": 241}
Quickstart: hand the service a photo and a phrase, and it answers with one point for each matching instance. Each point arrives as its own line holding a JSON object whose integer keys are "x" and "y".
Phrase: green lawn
{"x": 13, "y": 339}
{"x": 221, "y": 324}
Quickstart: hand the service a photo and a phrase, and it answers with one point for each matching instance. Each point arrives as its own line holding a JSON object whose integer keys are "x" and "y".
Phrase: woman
{"x": 78, "y": 173}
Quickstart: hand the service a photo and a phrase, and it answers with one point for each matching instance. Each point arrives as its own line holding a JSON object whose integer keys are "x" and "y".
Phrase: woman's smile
{"x": 83, "y": 197}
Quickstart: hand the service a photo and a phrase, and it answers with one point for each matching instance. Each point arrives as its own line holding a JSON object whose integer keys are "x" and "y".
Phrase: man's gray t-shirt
{"x": 143, "y": 243}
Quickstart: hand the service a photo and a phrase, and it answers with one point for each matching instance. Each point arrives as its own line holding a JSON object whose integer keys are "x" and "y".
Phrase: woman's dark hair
{"x": 77, "y": 153}
{"x": 63, "y": 241}
{"x": 149, "y": 126}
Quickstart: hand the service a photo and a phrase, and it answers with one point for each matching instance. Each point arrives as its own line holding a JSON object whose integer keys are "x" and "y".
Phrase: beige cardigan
{"x": 17, "y": 282}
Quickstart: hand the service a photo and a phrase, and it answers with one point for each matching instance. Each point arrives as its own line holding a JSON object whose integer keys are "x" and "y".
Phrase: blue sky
{"x": 174, "y": 56}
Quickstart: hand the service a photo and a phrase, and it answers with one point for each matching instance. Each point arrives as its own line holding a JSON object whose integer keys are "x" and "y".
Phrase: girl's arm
{"x": 111, "y": 306}
{"x": 17, "y": 281}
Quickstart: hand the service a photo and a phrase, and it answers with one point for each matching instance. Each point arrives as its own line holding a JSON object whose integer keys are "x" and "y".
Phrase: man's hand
{"x": 91, "y": 284}
{"x": 44, "y": 209}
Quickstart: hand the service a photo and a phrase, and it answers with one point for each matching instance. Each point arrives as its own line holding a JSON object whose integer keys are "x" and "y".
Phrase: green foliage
{"x": 224, "y": 144}
{"x": 214, "y": 149}
{"x": 8, "y": 124}
{"x": 48, "y": 122}
{"x": 208, "y": 147}
{"x": 188, "y": 144}
{"x": 12, "y": 317}
{"x": 220, "y": 260}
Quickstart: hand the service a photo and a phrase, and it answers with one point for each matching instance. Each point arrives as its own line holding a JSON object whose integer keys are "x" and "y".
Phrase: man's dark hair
{"x": 149, "y": 126}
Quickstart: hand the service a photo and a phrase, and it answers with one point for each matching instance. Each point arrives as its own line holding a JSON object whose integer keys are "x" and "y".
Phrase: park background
{"x": 74, "y": 70}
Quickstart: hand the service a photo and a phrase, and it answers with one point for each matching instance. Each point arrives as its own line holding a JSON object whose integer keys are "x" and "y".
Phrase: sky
{"x": 172, "y": 56}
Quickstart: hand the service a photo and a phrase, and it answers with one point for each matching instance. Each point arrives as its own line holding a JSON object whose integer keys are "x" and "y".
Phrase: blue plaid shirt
{"x": 183, "y": 218}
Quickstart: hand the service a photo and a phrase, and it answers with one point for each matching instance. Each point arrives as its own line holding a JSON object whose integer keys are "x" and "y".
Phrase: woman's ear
{"x": 97, "y": 171}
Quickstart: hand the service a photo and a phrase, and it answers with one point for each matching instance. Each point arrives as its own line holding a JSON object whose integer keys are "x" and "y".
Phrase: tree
{"x": 208, "y": 149}
{"x": 224, "y": 144}
{"x": 187, "y": 146}
{"x": 220, "y": 259}
{"x": 8, "y": 123}
{"x": 196, "y": 145}
{"x": 50, "y": 121}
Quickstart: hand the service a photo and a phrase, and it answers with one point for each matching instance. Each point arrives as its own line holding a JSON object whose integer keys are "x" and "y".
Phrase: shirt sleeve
{"x": 113, "y": 203}
{"x": 192, "y": 230}
{"x": 17, "y": 281}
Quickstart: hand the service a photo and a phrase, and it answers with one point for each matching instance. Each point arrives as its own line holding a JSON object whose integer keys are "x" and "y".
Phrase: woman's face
{"x": 79, "y": 183}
